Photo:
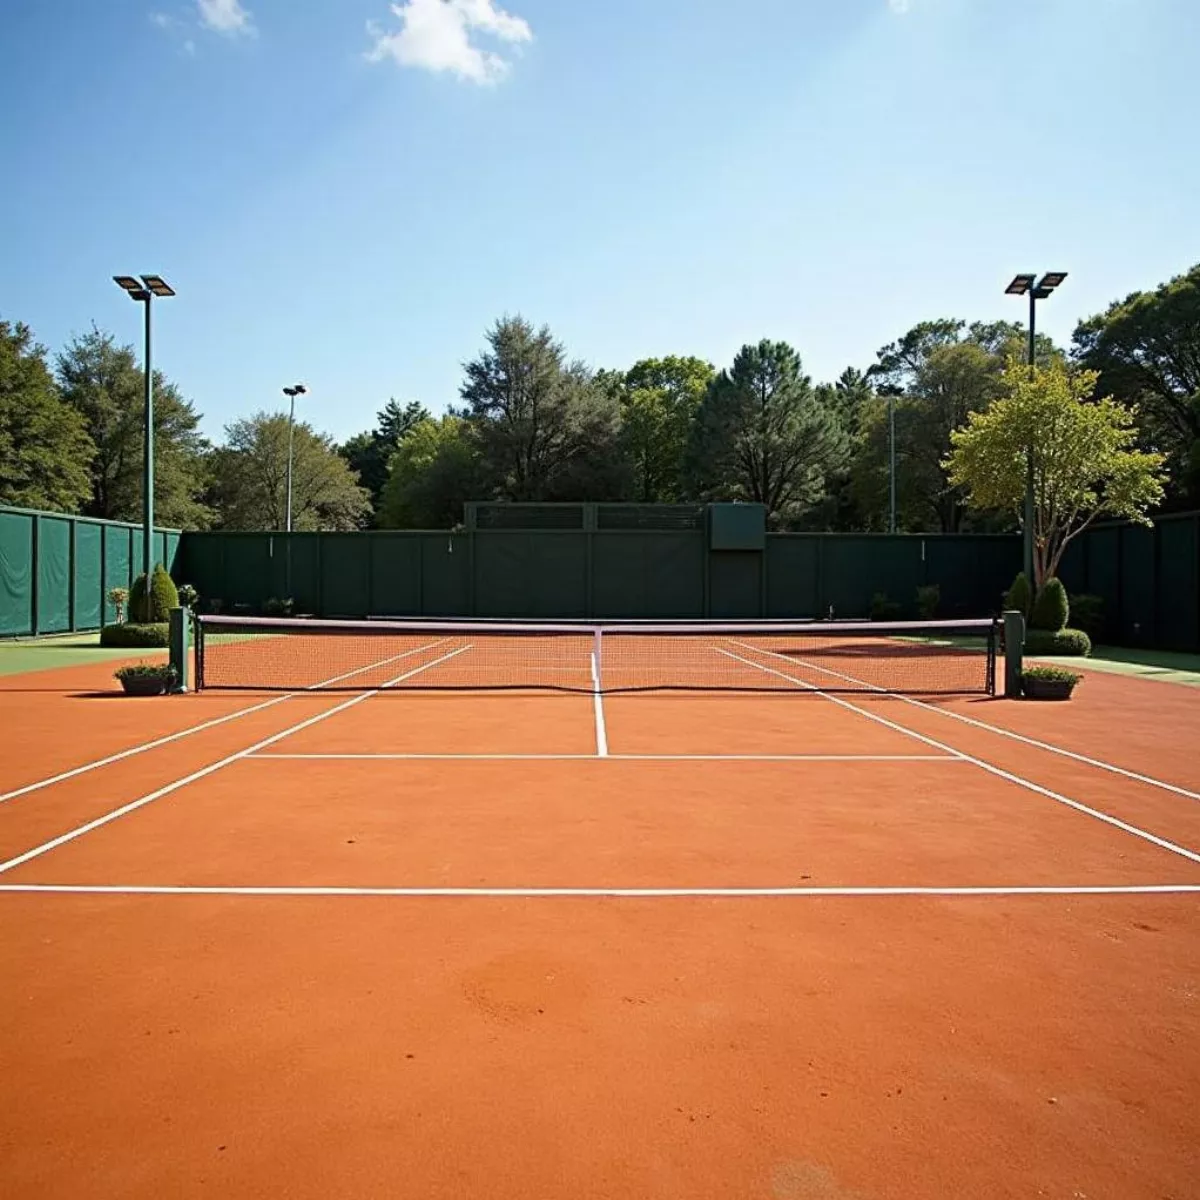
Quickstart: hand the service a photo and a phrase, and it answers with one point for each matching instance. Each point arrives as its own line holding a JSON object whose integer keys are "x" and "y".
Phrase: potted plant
{"x": 1048, "y": 683}
{"x": 188, "y": 596}
{"x": 146, "y": 679}
{"x": 118, "y": 597}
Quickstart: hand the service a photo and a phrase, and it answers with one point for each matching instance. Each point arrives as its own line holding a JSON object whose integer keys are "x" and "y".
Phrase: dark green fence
{"x": 55, "y": 571}
{"x": 594, "y": 572}
{"x": 1148, "y": 578}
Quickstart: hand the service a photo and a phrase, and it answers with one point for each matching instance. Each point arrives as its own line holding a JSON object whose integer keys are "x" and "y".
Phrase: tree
{"x": 250, "y": 479}
{"x": 370, "y": 453}
{"x": 1147, "y": 350}
{"x": 102, "y": 382}
{"x": 659, "y": 399}
{"x": 44, "y": 445}
{"x": 1085, "y": 458}
{"x": 950, "y": 380}
{"x": 544, "y": 428}
{"x": 850, "y": 399}
{"x": 761, "y": 435}
{"x": 434, "y": 471}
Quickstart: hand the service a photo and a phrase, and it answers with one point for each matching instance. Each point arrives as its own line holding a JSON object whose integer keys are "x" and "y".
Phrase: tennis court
{"x": 510, "y": 911}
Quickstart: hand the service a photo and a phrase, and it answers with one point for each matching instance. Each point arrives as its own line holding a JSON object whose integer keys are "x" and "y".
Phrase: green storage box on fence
{"x": 737, "y": 527}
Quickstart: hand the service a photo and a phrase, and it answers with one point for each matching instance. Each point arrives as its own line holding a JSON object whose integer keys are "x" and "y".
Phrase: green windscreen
{"x": 53, "y": 575}
{"x": 16, "y": 574}
{"x": 89, "y": 578}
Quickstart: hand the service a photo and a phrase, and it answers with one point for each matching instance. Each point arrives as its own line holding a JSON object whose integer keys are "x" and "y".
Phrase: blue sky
{"x": 349, "y": 192}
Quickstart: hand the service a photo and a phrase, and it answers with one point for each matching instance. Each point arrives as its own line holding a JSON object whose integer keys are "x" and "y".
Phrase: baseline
{"x": 1153, "y": 889}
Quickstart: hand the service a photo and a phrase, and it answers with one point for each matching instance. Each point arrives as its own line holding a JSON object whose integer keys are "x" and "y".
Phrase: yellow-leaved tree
{"x": 1086, "y": 459}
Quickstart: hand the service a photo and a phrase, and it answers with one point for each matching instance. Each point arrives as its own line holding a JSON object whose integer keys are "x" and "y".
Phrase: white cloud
{"x": 899, "y": 7}
{"x": 225, "y": 16}
{"x": 436, "y": 35}
{"x": 160, "y": 20}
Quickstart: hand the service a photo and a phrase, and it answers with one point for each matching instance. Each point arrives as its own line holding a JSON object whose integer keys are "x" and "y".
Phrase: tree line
{"x": 531, "y": 423}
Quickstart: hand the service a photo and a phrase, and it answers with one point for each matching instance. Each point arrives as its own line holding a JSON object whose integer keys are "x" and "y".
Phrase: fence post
{"x": 1014, "y": 648}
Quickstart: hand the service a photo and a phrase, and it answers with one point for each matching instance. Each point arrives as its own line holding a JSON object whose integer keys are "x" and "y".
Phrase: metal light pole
{"x": 143, "y": 291}
{"x": 291, "y": 393}
{"x": 1036, "y": 290}
{"x": 892, "y": 463}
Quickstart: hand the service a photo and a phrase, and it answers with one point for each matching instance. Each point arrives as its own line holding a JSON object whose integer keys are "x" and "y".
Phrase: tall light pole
{"x": 291, "y": 393}
{"x": 1036, "y": 289}
{"x": 143, "y": 291}
{"x": 891, "y": 464}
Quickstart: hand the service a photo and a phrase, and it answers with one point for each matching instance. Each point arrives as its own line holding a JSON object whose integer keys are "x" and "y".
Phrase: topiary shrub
{"x": 1073, "y": 642}
{"x": 1051, "y": 609}
{"x": 928, "y": 599}
{"x": 135, "y": 636}
{"x": 1019, "y": 597}
{"x": 163, "y": 594}
{"x": 1087, "y": 613}
{"x": 137, "y": 600}
{"x": 883, "y": 609}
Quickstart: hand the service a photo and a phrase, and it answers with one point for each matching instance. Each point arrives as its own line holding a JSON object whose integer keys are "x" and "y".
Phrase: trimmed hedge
{"x": 135, "y": 636}
{"x": 1061, "y": 641}
{"x": 164, "y": 596}
{"x": 1087, "y": 612}
{"x": 1051, "y": 609}
{"x": 1019, "y": 597}
{"x": 153, "y": 604}
{"x": 928, "y": 599}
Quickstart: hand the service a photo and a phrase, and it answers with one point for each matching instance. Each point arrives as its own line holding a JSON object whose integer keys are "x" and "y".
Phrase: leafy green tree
{"x": 434, "y": 471}
{"x": 250, "y": 479}
{"x": 1147, "y": 350}
{"x": 951, "y": 380}
{"x": 761, "y": 435}
{"x": 1085, "y": 456}
{"x": 102, "y": 382}
{"x": 659, "y": 399}
{"x": 850, "y": 400}
{"x": 44, "y": 445}
{"x": 545, "y": 429}
{"x": 370, "y": 453}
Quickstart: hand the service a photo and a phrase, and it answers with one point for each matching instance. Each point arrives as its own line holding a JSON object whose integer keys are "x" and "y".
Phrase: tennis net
{"x": 918, "y": 658}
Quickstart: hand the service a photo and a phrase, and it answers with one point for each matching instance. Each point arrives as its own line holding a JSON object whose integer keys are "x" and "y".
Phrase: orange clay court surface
{"x": 340, "y": 945}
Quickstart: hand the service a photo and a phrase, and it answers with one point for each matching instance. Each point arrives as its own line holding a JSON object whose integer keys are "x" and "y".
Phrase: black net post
{"x": 1014, "y": 649}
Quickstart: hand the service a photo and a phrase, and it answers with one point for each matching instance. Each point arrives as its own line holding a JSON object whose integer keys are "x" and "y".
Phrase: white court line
{"x": 174, "y": 737}
{"x": 1099, "y": 763}
{"x": 632, "y": 893}
{"x": 598, "y": 702}
{"x": 938, "y": 758}
{"x": 133, "y": 805}
{"x": 1144, "y": 834}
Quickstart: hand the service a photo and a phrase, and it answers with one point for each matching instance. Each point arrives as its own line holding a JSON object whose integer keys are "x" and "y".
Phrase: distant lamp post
{"x": 1036, "y": 289}
{"x": 291, "y": 393}
{"x": 144, "y": 290}
{"x": 891, "y": 464}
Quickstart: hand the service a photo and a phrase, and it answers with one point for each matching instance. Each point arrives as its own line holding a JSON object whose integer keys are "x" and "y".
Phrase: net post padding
{"x": 178, "y": 631}
{"x": 1014, "y": 651}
